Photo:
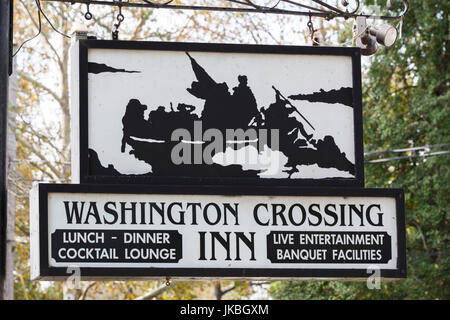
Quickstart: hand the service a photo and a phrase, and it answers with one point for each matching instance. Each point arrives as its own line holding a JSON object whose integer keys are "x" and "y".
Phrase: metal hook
{"x": 311, "y": 29}
{"x": 120, "y": 18}
{"x": 310, "y": 24}
{"x": 87, "y": 15}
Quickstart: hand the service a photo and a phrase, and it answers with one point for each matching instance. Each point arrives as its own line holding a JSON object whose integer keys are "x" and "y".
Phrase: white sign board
{"x": 193, "y": 113}
{"x": 216, "y": 232}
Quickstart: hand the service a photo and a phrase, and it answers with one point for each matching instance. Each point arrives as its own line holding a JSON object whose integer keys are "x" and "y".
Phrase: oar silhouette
{"x": 285, "y": 99}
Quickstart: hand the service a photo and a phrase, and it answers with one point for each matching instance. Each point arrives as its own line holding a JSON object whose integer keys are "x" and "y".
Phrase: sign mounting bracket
{"x": 283, "y": 7}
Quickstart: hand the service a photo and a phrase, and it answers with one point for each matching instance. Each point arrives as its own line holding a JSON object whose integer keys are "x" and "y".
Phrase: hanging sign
{"x": 185, "y": 113}
{"x": 138, "y": 232}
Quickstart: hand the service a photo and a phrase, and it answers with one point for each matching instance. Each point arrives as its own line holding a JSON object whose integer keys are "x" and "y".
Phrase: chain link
{"x": 120, "y": 17}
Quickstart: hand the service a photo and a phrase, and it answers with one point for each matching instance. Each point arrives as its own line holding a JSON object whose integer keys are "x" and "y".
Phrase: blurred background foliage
{"x": 405, "y": 104}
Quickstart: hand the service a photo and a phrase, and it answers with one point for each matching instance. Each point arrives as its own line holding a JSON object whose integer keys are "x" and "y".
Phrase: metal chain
{"x": 315, "y": 41}
{"x": 120, "y": 18}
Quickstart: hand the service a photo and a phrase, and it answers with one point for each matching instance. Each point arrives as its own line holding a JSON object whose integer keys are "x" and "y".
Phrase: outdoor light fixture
{"x": 368, "y": 45}
{"x": 385, "y": 34}
{"x": 367, "y": 37}
{"x": 364, "y": 39}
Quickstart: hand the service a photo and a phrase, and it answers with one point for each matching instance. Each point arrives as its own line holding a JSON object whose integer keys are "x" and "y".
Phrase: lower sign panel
{"x": 137, "y": 232}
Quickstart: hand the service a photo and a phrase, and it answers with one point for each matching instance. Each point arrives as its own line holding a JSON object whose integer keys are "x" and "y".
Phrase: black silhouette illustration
{"x": 97, "y": 68}
{"x": 149, "y": 139}
{"x": 95, "y": 165}
{"x": 223, "y": 109}
{"x": 343, "y": 96}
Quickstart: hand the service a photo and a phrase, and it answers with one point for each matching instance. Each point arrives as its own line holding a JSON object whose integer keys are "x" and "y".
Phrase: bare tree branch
{"x": 153, "y": 294}
{"x": 41, "y": 169}
{"x": 47, "y": 40}
{"x": 224, "y": 292}
{"x": 38, "y": 84}
{"x": 40, "y": 136}
{"x": 85, "y": 291}
{"x": 36, "y": 152}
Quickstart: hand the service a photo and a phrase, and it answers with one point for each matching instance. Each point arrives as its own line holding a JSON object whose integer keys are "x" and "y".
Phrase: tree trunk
{"x": 218, "y": 291}
{"x": 8, "y": 284}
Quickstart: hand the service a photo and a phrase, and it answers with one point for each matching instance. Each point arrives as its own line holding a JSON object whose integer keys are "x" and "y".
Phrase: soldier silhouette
{"x": 278, "y": 115}
{"x": 134, "y": 123}
{"x": 217, "y": 111}
{"x": 158, "y": 116}
{"x": 244, "y": 103}
{"x": 185, "y": 108}
{"x": 183, "y": 117}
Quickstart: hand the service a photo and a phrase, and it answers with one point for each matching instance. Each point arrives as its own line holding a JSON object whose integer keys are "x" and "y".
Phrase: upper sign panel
{"x": 189, "y": 113}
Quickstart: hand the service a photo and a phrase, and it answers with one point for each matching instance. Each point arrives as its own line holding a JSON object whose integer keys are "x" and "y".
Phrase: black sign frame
{"x": 60, "y": 273}
{"x": 86, "y": 177}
